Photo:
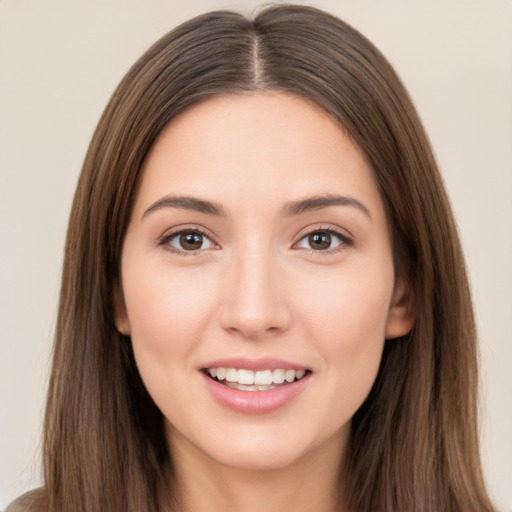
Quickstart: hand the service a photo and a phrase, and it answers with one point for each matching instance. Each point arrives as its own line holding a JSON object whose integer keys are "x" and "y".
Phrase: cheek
{"x": 346, "y": 321}
{"x": 349, "y": 307}
{"x": 166, "y": 309}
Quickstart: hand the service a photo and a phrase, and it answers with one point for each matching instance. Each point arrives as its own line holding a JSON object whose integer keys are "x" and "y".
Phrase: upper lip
{"x": 263, "y": 363}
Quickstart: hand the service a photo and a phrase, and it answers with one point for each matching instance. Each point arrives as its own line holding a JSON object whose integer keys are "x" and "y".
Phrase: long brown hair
{"x": 414, "y": 444}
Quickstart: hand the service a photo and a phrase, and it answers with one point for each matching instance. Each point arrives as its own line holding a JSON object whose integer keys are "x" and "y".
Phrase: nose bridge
{"x": 254, "y": 304}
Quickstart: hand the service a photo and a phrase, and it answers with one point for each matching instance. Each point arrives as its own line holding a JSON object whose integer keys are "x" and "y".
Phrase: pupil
{"x": 320, "y": 240}
{"x": 191, "y": 241}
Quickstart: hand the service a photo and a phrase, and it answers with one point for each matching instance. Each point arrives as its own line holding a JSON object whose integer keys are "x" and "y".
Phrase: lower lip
{"x": 255, "y": 402}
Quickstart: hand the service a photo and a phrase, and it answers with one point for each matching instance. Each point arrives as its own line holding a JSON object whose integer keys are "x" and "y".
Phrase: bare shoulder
{"x": 32, "y": 501}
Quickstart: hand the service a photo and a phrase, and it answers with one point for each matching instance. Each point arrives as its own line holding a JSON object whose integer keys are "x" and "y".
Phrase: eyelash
{"x": 344, "y": 239}
{"x": 168, "y": 237}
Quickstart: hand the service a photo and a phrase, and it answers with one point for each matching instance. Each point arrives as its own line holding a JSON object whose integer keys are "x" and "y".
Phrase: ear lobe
{"x": 121, "y": 315}
{"x": 401, "y": 314}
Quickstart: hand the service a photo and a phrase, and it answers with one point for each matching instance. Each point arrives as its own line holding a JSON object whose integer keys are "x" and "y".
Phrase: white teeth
{"x": 244, "y": 387}
{"x": 278, "y": 376}
{"x": 289, "y": 375}
{"x": 259, "y": 380}
{"x": 231, "y": 375}
{"x": 245, "y": 377}
{"x": 263, "y": 377}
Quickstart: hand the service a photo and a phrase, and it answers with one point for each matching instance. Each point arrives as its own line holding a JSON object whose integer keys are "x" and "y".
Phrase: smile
{"x": 250, "y": 380}
{"x": 255, "y": 386}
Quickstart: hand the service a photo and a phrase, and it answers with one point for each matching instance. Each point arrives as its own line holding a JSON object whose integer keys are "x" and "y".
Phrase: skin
{"x": 257, "y": 287}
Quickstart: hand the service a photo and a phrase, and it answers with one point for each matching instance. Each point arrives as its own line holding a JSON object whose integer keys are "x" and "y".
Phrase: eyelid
{"x": 171, "y": 233}
{"x": 347, "y": 240}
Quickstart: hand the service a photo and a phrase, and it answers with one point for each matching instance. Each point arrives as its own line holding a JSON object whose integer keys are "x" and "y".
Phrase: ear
{"x": 121, "y": 315}
{"x": 401, "y": 314}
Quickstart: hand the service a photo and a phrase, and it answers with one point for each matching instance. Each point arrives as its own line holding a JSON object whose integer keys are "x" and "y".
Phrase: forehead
{"x": 257, "y": 148}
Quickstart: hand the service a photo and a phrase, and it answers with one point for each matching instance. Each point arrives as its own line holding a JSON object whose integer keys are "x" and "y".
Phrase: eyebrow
{"x": 292, "y": 208}
{"x": 319, "y": 202}
{"x": 187, "y": 203}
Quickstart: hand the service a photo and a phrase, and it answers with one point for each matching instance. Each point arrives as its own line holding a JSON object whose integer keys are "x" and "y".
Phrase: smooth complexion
{"x": 258, "y": 234}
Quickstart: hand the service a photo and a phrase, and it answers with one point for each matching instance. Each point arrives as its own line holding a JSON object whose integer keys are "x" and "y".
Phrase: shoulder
{"x": 32, "y": 501}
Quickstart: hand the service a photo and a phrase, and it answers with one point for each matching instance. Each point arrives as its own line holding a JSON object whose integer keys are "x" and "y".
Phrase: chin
{"x": 266, "y": 447}
{"x": 260, "y": 459}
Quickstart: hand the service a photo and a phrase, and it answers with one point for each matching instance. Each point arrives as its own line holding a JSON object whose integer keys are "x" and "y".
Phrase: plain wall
{"x": 59, "y": 63}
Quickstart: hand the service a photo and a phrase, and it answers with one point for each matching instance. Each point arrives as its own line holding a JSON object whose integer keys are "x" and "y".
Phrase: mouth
{"x": 244, "y": 379}
{"x": 255, "y": 386}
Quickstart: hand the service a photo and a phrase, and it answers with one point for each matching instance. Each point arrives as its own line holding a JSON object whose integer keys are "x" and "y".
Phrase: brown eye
{"x": 320, "y": 240}
{"x": 323, "y": 240}
{"x": 189, "y": 241}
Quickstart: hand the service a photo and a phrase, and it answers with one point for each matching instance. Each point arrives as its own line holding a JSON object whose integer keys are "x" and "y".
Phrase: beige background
{"x": 59, "y": 63}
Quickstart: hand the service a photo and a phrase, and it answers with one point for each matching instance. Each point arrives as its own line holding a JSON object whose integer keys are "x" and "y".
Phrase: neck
{"x": 311, "y": 483}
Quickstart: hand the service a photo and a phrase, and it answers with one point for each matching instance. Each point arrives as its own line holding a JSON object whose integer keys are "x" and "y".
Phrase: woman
{"x": 264, "y": 301}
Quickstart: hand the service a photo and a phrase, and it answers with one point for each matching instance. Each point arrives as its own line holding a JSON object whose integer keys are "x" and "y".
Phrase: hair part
{"x": 414, "y": 442}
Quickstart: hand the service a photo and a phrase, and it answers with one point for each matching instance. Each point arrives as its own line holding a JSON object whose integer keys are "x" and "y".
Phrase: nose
{"x": 255, "y": 304}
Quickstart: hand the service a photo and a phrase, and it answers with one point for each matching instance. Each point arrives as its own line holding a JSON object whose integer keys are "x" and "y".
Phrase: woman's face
{"x": 258, "y": 253}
